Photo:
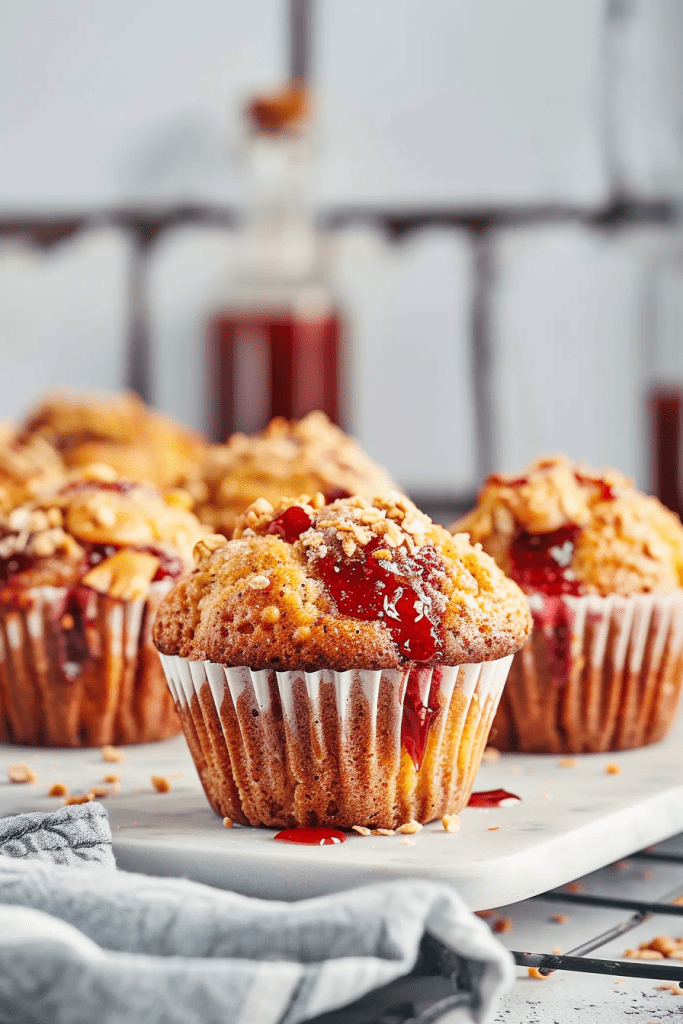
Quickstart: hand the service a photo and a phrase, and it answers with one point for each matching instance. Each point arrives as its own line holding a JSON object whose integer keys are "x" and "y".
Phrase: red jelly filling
{"x": 542, "y": 561}
{"x": 417, "y": 717}
{"x": 290, "y": 524}
{"x": 391, "y": 590}
{"x": 313, "y": 836}
{"x": 491, "y": 798}
{"x": 606, "y": 491}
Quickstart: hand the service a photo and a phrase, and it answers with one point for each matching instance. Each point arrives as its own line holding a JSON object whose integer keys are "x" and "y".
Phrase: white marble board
{"x": 571, "y": 820}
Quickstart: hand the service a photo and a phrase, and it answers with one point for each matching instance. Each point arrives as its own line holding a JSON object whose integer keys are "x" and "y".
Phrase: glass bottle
{"x": 274, "y": 346}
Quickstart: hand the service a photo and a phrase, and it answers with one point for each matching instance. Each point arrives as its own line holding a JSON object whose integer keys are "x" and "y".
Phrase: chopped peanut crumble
{"x": 161, "y": 783}
{"x": 21, "y": 772}
{"x": 58, "y": 789}
{"x": 112, "y": 755}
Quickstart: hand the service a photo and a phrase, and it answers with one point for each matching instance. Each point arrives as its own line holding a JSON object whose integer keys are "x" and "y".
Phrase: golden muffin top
{"x": 357, "y": 583}
{"x": 563, "y": 527}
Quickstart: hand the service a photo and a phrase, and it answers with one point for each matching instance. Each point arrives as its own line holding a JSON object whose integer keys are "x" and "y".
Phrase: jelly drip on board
{"x": 493, "y": 798}
{"x": 312, "y": 836}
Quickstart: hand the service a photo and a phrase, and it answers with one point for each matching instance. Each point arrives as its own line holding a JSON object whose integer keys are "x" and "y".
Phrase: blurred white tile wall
{"x": 509, "y": 104}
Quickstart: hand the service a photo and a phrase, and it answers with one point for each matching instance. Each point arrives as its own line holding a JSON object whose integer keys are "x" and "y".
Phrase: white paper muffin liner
{"x": 114, "y": 692}
{"x": 597, "y": 674}
{"x": 324, "y": 748}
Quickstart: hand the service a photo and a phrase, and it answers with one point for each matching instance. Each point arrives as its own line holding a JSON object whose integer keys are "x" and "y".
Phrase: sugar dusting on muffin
{"x": 356, "y": 583}
{"x": 563, "y": 527}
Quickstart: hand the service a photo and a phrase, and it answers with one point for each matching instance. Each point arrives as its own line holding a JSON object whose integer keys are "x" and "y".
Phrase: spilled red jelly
{"x": 542, "y": 561}
{"x": 493, "y": 798}
{"x": 311, "y": 836}
{"x": 290, "y": 524}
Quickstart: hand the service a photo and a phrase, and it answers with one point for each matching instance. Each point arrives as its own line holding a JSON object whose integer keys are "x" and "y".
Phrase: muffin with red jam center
{"x": 82, "y": 570}
{"x": 289, "y": 457}
{"x": 339, "y": 664}
{"x": 602, "y": 567}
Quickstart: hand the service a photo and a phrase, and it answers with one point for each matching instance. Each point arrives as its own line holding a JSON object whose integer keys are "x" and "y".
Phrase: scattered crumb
{"x": 408, "y": 841}
{"x": 559, "y": 918}
{"x": 660, "y": 948}
{"x": 494, "y": 828}
{"x": 671, "y": 987}
{"x": 451, "y": 822}
{"x": 612, "y": 769}
{"x": 383, "y": 831}
{"x": 643, "y": 954}
{"x": 99, "y": 792}
{"x": 361, "y": 830}
{"x": 161, "y": 783}
{"x": 112, "y": 754}
{"x": 556, "y": 949}
{"x": 575, "y": 887}
{"x": 227, "y": 822}
{"x": 621, "y": 865}
{"x": 515, "y": 769}
{"x": 490, "y": 754}
{"x": 502, "y": 924}
{"x": 21, "y": 772}
{"x": 484, "y": 914}
{"x": 567, "y": 762}
{"x": 534, "y": 972}
{"x": 678, "y": 901}
{"x": 111, "y": 777}
{"x": 79, "y": 798}
{"x": 176, "y": 775}
{"x": 619, "y": 981}
{"x": 58, "y": 789}
{"x": 410, "y": 827}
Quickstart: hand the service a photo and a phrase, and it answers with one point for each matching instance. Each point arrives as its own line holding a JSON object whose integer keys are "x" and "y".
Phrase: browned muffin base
{"x": 598, "y": 707}
{"x": 261, "y": 768}
{"x": 120, "y": 695}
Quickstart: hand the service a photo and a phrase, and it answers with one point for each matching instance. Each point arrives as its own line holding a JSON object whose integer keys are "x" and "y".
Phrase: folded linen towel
{"x": 78, "y": 945}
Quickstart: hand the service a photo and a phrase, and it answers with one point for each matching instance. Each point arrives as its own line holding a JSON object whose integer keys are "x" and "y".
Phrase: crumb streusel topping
{"x": 112, "y": 535}
{"x": 298, "y": 457}
{"x": 26, "y": 466}
{"x": 563, "y": 527}
{"x": 357, "y": 583}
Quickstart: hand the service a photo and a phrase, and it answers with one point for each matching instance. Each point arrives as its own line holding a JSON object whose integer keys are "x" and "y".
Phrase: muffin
{"x": 82, "y": 570}
{"x": 602, "y": 567}
{"x": 119, "y": 431}
{"x": 339, "y": 664}
{"x": 26, "y": 467}
{"x": 304, "y": 456}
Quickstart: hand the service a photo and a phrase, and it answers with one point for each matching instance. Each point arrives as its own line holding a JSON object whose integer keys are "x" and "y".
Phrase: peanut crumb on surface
{"x": 671, "y": 987}
{"x": 575, "y": 887}
{"x": 383, "y": 831}
{"x": 112, "y": 755}
{"x": 534, "y": 972}
{"x": 21, "y": 772}
{"x": 643, "y": 954}
{"x": 451, "y": 823}
{"x": 227, "y": 822}
{"x": 160, "y": 783}
{"x": 659, "y": 948}
{"x": 491, "y": 754}
{"x": 678, "y": 901}
{"x": 559, "y": 918}
{"x": 79, "y": 798}
{"x": 567, "y": 762}
{"x": 99, "y": 792}
{"x": 410, "y": 827}
{"x": 361, "y": 830}
{"x": 502, "y": 924}
{"x": 484, "y": 914}
{"x": 612, "y": 769}
{"x": 493, "y": 828}
{"x": 557, "y": 950}
{"x": 515, "y": 769}
{"x": 58, "y": 789}
{"x": 111, "y": 777}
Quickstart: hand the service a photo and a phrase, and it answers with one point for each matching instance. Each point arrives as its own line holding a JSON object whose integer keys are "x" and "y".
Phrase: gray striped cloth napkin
{"x": 81, "y": 941}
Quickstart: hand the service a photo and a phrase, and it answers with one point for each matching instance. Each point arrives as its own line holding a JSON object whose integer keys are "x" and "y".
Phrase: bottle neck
{"x": 279, "y": 243}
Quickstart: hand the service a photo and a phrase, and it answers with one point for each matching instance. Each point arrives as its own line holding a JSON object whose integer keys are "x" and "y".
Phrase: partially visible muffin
{"x": 119, "y": 431}
{"x": 339, "y": 663}
{"x": 26, "y": 466}
{"x": 289, "y": 457}
{"x": 82, "y": 570}
{"x": 602, "y": 565}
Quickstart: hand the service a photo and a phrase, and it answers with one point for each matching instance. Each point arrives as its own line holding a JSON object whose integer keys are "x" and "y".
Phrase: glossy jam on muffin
{"x": 353, "y": 584}
{"x": 564, "y": 528}
{"x": 118, "y": 430}
{"x": 298, "y": 457}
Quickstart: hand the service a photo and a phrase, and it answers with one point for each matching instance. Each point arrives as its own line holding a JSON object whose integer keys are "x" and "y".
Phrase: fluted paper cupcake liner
{"x": 79, "y": 669}
{"x": 325, "y": 748}
{"x": 597, "y": 674}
